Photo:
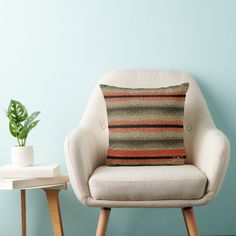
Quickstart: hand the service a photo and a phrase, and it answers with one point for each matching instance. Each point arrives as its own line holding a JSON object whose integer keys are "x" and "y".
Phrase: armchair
{"x": 186, "y": 186}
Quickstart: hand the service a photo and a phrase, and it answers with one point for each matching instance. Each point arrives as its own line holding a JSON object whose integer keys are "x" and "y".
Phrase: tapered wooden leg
{"x": 54, "y": 208}
{"x": 190, "y": 222}
{"x": 23, "y": 212}
{"x": 102, "y": 222}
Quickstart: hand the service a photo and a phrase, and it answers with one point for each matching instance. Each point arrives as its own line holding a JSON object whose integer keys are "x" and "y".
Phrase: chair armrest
{"x": 81, "y": 160}
{"x": 211, "y": 153}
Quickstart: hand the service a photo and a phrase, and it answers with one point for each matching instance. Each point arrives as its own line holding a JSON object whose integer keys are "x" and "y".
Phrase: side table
{"x": 52, "y": 192}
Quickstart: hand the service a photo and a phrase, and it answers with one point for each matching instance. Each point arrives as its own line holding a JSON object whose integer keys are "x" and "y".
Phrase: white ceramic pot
{"x": 22, "y": 156}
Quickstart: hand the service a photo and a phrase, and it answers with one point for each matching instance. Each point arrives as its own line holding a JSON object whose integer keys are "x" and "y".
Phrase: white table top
{"x": 59, "y": 182}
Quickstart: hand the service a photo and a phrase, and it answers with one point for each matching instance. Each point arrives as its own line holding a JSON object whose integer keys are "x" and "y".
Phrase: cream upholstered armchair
{"x": 184, "y": 186}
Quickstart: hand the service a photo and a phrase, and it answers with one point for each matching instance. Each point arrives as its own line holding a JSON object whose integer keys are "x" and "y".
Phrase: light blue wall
{"x": 53, "y": 52}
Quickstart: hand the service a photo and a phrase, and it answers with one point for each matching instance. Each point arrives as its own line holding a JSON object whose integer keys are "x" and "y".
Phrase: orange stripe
{"x": 124, "y": 130}
{"x": 137, "y": 153}
{"x": 145, "y": 99}
{"x": 128, "y": 122}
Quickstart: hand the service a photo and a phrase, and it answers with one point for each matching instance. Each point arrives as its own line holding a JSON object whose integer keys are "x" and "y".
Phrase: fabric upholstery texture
{"x": 206, "y": 146}
{"x": 145, "y": 125}
{"x": 141, "y": 183}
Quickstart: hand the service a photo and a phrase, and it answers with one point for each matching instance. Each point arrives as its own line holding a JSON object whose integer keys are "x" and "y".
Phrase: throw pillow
{"x": 145, "y": 125}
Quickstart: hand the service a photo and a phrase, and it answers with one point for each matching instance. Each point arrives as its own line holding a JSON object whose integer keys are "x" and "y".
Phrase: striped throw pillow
{"x": 145, "y": 125}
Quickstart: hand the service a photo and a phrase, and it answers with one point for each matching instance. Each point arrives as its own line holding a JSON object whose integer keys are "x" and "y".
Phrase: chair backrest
{"x": 196, "y": 114}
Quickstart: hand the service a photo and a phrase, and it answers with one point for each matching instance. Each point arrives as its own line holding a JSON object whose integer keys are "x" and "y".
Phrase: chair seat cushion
{"x": 140, "y": 183}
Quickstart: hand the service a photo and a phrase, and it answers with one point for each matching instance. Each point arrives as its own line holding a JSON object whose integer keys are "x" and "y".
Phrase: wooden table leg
{"x": 23, "y": 212}
{"x": 54, "y": 208}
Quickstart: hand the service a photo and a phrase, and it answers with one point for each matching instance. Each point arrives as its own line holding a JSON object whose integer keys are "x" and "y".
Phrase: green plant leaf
{"x": 32, "y": 125}
{"x": 23, "y": 134}
{"x": 16, "y": 111}
{"x": 31, "y": 118}
{"x": 15, "y": 128}
{"x": 26, "y": 129}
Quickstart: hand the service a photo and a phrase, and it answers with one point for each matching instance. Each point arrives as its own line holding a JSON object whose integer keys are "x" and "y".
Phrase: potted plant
{"x": 20, "y": 124}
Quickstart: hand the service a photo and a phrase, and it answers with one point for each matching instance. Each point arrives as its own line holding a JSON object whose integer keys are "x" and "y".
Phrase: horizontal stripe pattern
{"x": 145, "y": 125}
{"x": 143, "y": 153}
{"x": 146, "y": 144}
{"x": 140, "y": 99}
{"x": 148, "y": 130}
{"x": 138, "y": 122}
{"x": 143, "y": 95}
{"x": 144, "y": 162}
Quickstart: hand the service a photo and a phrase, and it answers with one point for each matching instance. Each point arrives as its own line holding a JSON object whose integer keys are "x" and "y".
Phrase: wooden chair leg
{"x": 23, "y": 212}
{"x": 102, "y": 222}
{"x": 190, "y": 222}
{"x": 54, "y": 208}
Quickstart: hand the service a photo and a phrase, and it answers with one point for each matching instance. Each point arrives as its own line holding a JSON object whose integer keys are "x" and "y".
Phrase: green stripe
{"x": 142, "y": 111}
{"x": 145, "y": 144}
{"x": 145, "y": 135}
{"x": 140, "y": 103}
{"x": 108, "y": 88}
{"x": 150, "y": 163}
